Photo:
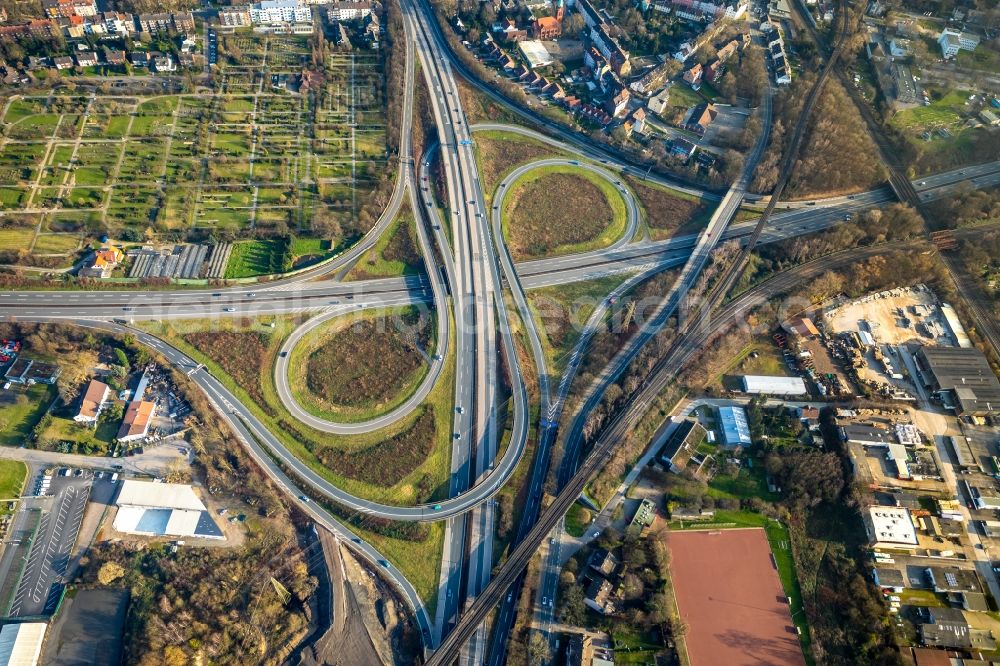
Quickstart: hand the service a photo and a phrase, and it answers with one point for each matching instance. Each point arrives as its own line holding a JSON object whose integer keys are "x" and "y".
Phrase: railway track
{"x": 986, "y": 324}
{"x": 687, "y": 341}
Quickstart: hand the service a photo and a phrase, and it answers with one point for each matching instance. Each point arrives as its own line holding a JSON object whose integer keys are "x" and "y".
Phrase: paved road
{"x": 299, "y": 296}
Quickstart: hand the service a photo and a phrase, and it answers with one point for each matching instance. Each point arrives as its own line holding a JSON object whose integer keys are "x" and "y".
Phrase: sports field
{"x": 728, "y": 592}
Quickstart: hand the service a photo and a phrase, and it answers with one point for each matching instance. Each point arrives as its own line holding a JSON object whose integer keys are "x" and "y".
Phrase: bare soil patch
{"x": 554, "y": 210}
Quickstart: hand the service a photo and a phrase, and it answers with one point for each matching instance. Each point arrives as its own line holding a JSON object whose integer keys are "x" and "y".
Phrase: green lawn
{"x": 12, "y": 475}
{"x": 940, "y": 113}
{"x": 577, "y": 520}
{"x": 21, "y": 410}
{"x": 82, "y": 439}
{"x": 251, "y": 258}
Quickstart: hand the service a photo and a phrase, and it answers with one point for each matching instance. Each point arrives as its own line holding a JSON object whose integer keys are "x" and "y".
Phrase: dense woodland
{"x": 836, "y": 155}
{"x": 896, "y": 222}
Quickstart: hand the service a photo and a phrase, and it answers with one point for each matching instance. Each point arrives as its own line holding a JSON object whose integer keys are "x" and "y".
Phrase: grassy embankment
{"x": 394, "y": 255}
{"x": 561, "y": 312}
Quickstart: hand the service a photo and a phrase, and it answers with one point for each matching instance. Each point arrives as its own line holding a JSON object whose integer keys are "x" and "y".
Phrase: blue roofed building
{"x": 734, "y": 425}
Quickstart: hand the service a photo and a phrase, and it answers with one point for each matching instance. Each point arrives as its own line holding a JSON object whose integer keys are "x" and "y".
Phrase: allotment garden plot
{"x": 263, "y": 154}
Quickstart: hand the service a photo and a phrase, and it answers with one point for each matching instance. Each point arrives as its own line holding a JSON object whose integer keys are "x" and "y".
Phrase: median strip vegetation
{"x": 558, "y": 210}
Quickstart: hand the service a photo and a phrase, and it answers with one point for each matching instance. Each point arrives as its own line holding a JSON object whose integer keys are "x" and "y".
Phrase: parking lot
{"x": 46, "y": 565}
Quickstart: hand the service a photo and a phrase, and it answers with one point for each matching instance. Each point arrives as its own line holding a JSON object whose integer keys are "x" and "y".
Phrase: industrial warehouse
{"x": 163, "y": 509}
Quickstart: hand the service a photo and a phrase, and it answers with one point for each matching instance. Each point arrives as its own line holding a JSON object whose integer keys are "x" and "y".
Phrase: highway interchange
{"x": 469, "y": 284}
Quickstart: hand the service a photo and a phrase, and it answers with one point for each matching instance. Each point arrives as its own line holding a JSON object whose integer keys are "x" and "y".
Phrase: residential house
{"x": 236, "y": 16}
{"x": 41, "y": 28}
{"x": 164, "y": 62}
{"x": 639, "y": 120}
{"x": 86, "y": 59}
{"x": 603, "y": 562}
{"x": 682, "y": 148}
{"x": 618, "y": 103}
{"x": 102, "y": 262}
{"x": 183, "y": 22}
{"x": 36, "y": 62}
{"x": 139, "y": 58}
{"x": 63, "y": 62}
{"x": 599, "y": 596}
{"x": 658, "y": 102}
{"x": 117, "y": 24}
{"x": 700, "y": 117}
{"x": 157, "y": 24}
{"x": 57, "y": 8}
{"x": 138, "y": 418}
{"x": 114, "y": 57}
{"x": 546, "y": 27}
{"x": 509, "y": 32}
{"x": 269, "y": 12}
{"x": 92, "y": 402}
{"x": 693, "y": 76}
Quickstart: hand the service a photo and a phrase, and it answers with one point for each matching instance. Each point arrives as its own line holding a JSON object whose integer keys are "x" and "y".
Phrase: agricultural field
{"x": 258, "y": 157}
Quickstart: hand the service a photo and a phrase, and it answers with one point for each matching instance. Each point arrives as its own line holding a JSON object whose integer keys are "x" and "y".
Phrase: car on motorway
{"x": 230, "y": 309}
{"x": 283, "y": 354}
{"x": 458, "y": 435}
{"x": 305, "y": 500}
{"x": 437, "y": 507}
{"x": 252, "y": 294}
{"x": 128, "y": 309}
{"x": 384, "y": 563}
{"x": 545, "y": 601}
{"x": 460, "y": 409}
